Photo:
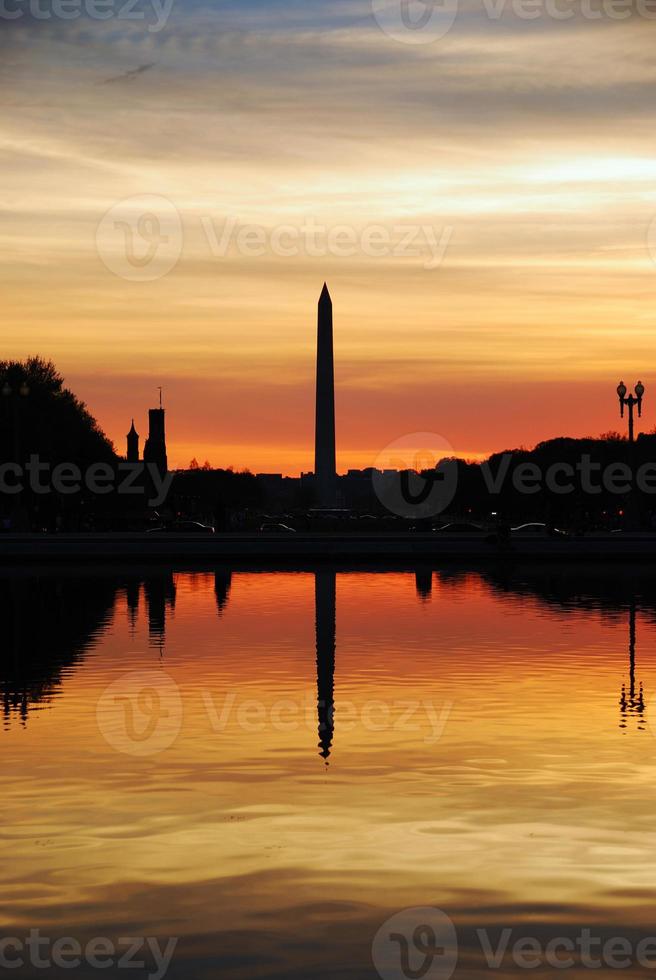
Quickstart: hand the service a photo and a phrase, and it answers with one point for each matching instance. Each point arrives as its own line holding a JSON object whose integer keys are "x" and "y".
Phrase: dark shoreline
{"x": 295, "y": 549}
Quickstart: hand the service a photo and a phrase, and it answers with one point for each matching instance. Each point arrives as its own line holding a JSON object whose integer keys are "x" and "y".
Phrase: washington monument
{"x": 324, "y": 439}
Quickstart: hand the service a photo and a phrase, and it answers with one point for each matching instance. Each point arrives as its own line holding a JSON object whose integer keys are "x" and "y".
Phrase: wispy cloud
{"x": 128, "y": 76}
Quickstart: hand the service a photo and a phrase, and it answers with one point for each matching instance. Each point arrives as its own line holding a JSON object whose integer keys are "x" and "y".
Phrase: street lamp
{"x": 630, "y": 402}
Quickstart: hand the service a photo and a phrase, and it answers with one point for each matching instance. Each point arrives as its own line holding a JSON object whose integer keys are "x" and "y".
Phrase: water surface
{"x": 268, "y": 765}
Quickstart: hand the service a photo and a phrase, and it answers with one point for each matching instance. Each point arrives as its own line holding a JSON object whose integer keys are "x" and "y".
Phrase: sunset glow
{"x": 529, "y": 191}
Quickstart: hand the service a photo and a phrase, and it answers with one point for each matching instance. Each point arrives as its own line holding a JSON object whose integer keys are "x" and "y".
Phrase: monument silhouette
{"x": 325, "y": 473}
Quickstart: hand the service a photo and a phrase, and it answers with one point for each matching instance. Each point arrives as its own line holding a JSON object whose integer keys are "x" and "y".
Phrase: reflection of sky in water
{"x": 485, "y": 757}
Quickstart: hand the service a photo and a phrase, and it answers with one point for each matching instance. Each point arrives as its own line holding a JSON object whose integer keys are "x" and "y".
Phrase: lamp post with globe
{"x": 630, "y": 403}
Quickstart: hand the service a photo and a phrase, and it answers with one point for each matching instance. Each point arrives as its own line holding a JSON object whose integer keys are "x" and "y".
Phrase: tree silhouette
{"x": 48, "y": 421}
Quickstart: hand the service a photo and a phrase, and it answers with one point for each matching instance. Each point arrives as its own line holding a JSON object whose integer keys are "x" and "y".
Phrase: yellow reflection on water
{"x": 268, "y": 764}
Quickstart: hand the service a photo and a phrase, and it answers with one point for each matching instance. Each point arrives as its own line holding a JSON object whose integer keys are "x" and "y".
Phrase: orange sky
{"x": 517, "y": 155}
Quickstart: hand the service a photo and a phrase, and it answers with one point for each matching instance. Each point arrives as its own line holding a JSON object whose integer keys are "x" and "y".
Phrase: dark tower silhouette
{"x": 133, "y": 445}
{"x": 155, "y": 448}
{"x": 324, "y": 599}
{"x": 324, "y": 442}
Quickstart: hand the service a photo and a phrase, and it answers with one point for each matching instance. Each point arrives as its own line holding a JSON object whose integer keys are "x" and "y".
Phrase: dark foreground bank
{"x": 376, "y": 547}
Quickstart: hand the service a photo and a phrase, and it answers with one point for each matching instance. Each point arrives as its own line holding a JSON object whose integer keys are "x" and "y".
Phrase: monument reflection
{"x": 51, "y": 622}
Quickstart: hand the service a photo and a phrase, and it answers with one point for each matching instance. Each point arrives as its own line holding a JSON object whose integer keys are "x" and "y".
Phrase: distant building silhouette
{"x": 155, "y": 448}
{"x": 133, "y": 445}
{"x": 324, "y": 446}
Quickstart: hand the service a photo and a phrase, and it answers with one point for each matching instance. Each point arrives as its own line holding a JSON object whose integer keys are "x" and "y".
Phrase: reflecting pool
{"x": 253, "y": 771}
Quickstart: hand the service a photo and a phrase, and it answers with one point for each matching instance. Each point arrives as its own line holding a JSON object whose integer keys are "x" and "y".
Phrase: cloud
{"x": 128, "y": 75}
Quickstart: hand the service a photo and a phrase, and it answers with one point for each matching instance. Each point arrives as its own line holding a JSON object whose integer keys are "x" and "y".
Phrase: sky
{"x": 475, "y": 181}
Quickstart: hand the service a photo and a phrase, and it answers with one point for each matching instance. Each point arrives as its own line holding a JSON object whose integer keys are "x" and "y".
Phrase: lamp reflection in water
{"x": 632, "y": 702}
